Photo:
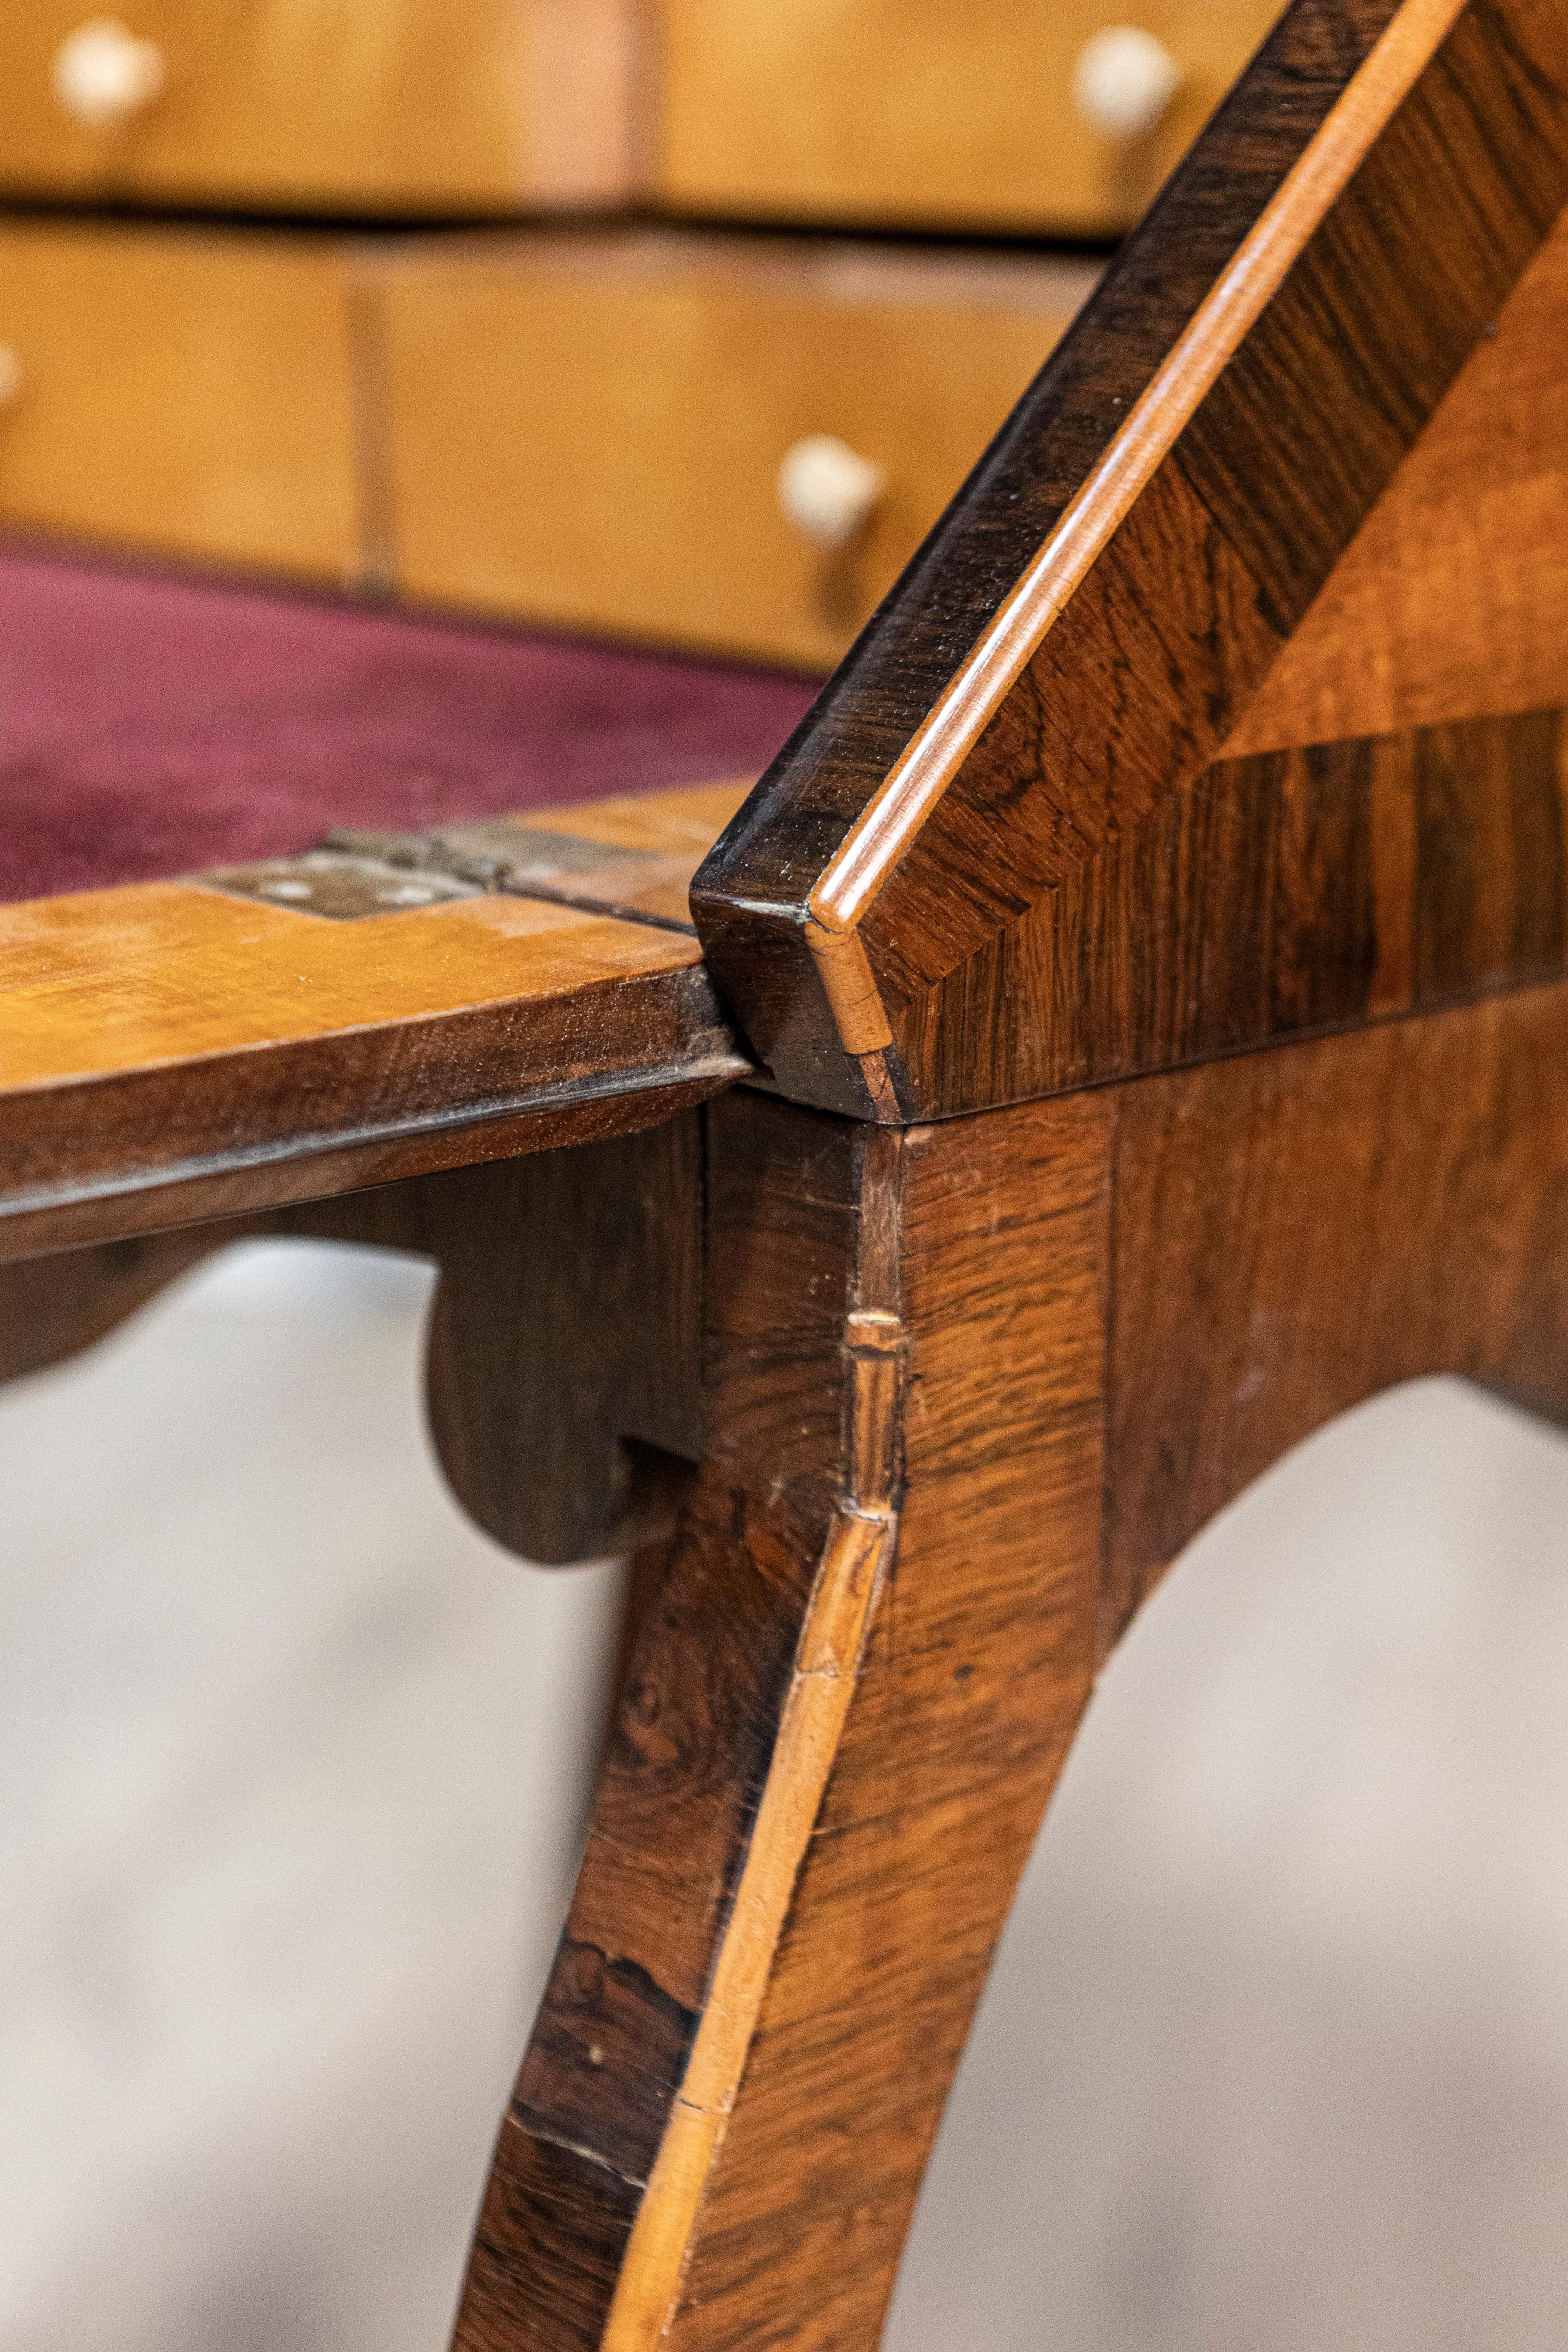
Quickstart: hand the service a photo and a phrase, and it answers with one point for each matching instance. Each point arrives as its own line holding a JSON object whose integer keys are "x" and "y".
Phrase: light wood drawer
{"x": 589, "y": 429}
{"x": 398, "y": 106}
{"x": 956, "y": 113}
{"x": 188, "y": 390}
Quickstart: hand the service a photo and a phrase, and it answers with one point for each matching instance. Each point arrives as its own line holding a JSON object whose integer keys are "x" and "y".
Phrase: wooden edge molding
{"x": 948, "y": 735}
{"x": 880, "y": 835}
{"x": 150, "y": 1190}
{"x": 303, "y": 1026}
{"x": 854, "y": 1561}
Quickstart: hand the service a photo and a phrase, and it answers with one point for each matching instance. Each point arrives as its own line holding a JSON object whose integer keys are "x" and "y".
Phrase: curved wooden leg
{"x": 835, "y": 1746}
{"x": 792, "y": 1886}
{"x": 794, "y": 1878}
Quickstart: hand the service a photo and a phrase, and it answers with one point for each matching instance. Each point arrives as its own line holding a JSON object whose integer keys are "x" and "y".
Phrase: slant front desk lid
{"x": 1297, "y": 464}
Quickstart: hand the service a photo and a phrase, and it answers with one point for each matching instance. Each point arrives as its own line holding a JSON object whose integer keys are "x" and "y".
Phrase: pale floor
{"x": 1276, "y": 2054}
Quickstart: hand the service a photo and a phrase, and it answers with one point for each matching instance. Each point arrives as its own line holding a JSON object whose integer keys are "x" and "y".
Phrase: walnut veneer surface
{"x": 1103, "y": 1316}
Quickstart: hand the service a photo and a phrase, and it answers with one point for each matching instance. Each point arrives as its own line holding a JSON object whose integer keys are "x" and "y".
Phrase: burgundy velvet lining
{"x": 150, "y": 725}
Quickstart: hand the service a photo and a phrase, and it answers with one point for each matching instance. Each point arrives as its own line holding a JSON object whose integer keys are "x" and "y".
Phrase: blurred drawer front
{"x": 733, "y": 444}
{"x": 187, "y": 390}
{"x": 399, "y": 105}
{"x": 979, "y": 114}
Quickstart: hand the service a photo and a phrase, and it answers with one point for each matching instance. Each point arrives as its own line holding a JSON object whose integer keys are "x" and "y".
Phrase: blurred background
{"x": 675, "y": 322}
{"x": 675, "y": 319}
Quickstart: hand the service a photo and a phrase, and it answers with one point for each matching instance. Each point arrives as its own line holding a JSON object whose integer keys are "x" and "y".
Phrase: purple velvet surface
{"x": 153, "y": 724}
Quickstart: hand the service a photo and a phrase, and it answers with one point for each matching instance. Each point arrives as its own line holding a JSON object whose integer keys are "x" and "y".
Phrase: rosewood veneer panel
{"x": 1087, "y": 625}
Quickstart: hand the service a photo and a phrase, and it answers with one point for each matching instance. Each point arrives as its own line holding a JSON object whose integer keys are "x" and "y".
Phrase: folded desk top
{"x": 288, "y": 1023}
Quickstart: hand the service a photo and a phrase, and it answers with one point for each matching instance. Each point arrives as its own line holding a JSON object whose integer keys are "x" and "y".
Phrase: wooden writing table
{"x": 1126, "y": 1026}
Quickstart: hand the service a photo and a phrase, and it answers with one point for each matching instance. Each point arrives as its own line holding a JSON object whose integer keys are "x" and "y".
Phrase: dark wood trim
{"x": 144, "y": 1194}
{"x": 735, "y": 1703}
{"x": 564, "y": 1390}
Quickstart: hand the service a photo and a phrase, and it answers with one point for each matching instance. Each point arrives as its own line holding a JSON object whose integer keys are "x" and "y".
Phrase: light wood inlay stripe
{"x": 854, "y": 1563}
{"x": 880, "y": 835}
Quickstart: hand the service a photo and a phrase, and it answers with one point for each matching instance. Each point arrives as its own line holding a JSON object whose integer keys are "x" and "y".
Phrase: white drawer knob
{"x": 1123, "y": 80}
{"x": 10, "y": 373}
{"x": 827, "y": 490}
{"x": 102, "y": 73}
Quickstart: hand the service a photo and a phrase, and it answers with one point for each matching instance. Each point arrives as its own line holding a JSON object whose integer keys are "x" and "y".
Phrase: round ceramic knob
{"x": 827, "y": 490}
{"x": 1123, "y": 80}
{"x": 10, "y": 373}
{"x": 104, "y": 74}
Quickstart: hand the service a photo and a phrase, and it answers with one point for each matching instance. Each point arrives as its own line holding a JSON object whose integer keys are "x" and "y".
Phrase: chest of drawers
{"x": 184, "y": 389}
{"x": 726, "y": 443}
{"x": 681, "y": 429}
{"x": 657, "y": 434}
{"x": 1050, "y": 117}
{"x": 399, "y": 105}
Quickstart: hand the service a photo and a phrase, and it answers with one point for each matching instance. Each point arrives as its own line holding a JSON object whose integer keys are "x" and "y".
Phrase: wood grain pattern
{"x": 162, "y": 1199}
{"x": 972, "y": 1685}
{"x": 849, "y": 1584}
{"x": 182, "y": 389}
{"x": 763, "y": 112}
{"x": 1161, "y": 615}
{"x": 1292, "y": 891}
{"x": 564, "y": 1349}
{"x": 982, "y": 1245}
{"x": 390, "y": 106}
{"x": 1114, "y": 1310}
{"x": 1452, "y": 600}
{"x": 533, "y": 473}
{"x": 1297, "y": 1230}
{"x": 699, "y": 1730}
{"x": 173, "y": 1051}
{"x": 1039, "y": 1347}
